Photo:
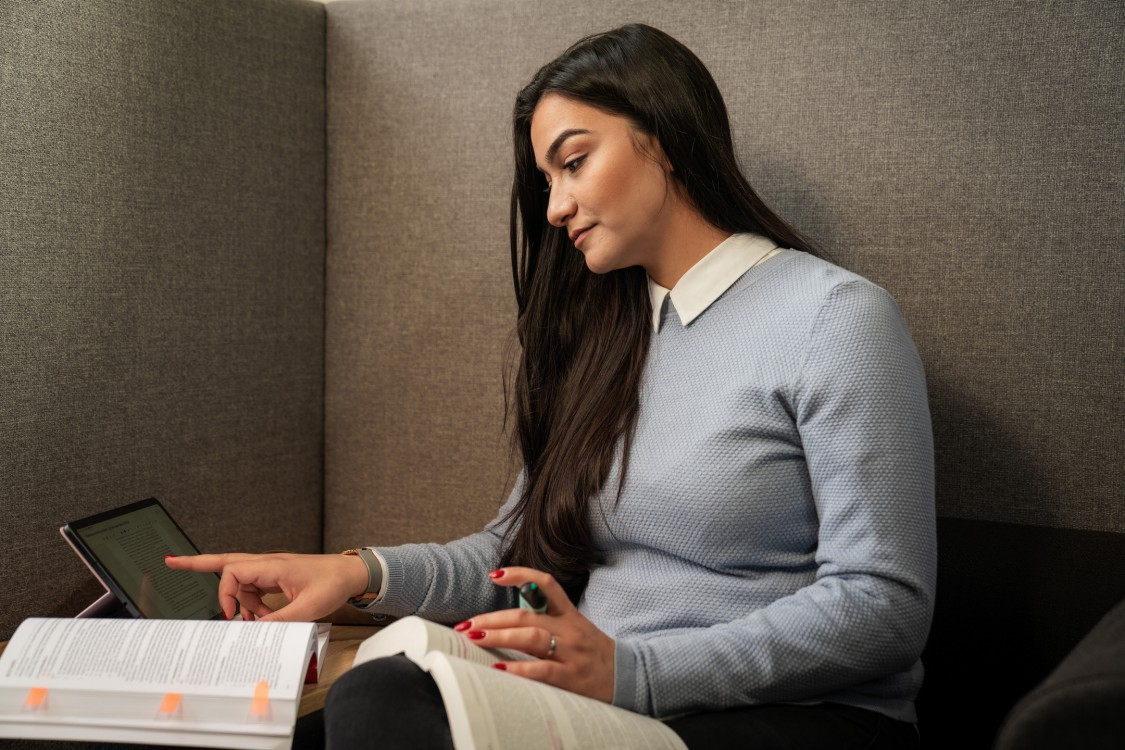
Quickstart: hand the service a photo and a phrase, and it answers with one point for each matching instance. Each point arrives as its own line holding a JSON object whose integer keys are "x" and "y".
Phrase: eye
{"x": 573, "y": 165}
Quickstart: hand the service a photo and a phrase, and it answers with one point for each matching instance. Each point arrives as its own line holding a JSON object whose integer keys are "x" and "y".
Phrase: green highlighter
{"x": 532, "y": 598}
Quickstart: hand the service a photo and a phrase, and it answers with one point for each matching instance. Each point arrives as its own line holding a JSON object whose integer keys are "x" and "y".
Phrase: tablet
{"x": 125, "y": 549}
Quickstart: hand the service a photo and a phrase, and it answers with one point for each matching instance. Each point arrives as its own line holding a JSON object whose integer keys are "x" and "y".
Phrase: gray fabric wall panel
{"x": 419, "y": 309}
{"x": 966, "y": 156}
{"x": 161, "y": 276}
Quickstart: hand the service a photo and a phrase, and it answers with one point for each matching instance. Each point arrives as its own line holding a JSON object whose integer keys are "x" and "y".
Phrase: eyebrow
{"x": 558, "y": 142}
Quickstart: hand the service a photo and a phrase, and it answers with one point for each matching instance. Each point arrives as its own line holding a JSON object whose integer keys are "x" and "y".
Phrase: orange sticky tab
{"x": 36, "y": 699}
{"x": 170, "y": 706}
{"x": 260, "y": 706}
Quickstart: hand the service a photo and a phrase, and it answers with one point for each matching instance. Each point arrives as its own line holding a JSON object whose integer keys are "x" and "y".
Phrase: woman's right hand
{"x": 315, "y": 585}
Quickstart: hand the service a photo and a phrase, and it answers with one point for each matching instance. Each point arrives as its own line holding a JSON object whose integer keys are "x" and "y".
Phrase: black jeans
{"x": 390, "y": 703}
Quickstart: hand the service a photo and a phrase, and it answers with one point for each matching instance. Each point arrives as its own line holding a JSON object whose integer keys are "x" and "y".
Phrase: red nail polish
{"x": 167, "y": 556}
{"x": 497, "y": 574}
{"x": 475, "y": 635}
{"x": 461, "y": 627}
{"x": 501, "y": 666}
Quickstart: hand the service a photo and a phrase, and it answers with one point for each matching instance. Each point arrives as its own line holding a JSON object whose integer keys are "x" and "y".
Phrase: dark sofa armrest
{"x": 1082, "y": 702}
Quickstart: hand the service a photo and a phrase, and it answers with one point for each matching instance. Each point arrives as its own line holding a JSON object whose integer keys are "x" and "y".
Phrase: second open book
{"x": 493, "y": 710}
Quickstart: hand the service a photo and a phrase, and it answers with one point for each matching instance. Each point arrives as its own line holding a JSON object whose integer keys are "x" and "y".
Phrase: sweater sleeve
{"x": 447, "y": 582}
{"x": 860, "y": 407}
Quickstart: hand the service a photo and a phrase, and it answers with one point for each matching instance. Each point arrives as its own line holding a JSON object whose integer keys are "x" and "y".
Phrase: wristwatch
{"x": 374, "y": 575}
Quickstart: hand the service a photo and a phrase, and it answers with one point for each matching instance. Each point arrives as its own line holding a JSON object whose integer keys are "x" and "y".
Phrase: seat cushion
{"x": 1012, "y": 601}
{"x": 1082, "y": 703}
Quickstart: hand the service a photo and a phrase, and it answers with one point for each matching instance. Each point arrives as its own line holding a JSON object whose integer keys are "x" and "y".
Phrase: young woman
{"x": 727, "y": 491}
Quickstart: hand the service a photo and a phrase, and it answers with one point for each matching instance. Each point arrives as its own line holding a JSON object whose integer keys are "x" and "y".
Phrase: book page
{"x": 323, "y": 634}
{"x": 492, "y": 710}
{"x": 416, "y": 637}
{"x": 146, "y": 736}
{"x": 189, "y": 656}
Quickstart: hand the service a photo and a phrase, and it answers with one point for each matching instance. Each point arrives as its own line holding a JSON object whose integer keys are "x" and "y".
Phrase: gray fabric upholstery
{"x": 967, "y": 157}
{"x": 161, "y": 276}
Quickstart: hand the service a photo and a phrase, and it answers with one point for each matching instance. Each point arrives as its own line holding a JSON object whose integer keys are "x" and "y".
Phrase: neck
{"x": 687, "y": 238}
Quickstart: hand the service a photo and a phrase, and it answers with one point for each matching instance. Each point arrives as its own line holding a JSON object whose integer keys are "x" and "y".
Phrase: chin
{"x": 600, "y": 264}
{"x": 599, "y": 269}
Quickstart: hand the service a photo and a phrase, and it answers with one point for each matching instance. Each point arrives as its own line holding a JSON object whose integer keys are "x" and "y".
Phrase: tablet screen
{"x": 126, "y": 549}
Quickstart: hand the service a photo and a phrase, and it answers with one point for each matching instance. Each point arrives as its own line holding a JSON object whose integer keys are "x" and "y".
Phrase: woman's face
{"x": 611, "y": 186}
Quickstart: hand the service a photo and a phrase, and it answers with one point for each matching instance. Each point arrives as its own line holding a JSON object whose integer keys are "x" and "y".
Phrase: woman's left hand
{"x": 582, "y": 659}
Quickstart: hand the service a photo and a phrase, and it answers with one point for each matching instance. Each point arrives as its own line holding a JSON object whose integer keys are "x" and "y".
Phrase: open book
{"x": 201, "y": 683}
{"x": 493, "y": 710}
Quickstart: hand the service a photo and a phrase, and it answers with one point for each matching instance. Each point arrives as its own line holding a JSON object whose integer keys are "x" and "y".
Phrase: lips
{"x": 578, "y": 235}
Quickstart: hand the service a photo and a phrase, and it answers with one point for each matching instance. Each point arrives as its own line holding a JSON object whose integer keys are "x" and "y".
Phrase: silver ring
{"x": 552, "y": 647}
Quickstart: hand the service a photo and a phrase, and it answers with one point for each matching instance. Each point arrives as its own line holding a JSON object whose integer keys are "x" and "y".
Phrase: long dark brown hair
{"x": 585, "y": 336}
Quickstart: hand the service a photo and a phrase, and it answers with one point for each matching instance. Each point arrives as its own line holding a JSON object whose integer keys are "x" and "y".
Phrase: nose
{"x": 560, "y": 207}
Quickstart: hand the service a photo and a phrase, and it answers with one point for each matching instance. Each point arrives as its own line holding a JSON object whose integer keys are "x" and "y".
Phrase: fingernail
{"x": 501, "y": 666}
{"x": 167, "y": 556}
{"x": 463, "y": 626}
{"x": 225, "y": 615}
{"x": 497, "y": 574}
{"x": 475, "y": 635}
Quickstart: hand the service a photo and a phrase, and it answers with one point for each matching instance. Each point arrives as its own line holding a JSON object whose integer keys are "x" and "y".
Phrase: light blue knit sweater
{"x": 774, "y": 541}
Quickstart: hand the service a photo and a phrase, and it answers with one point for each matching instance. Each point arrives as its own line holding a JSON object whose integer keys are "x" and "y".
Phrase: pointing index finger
{"x": 203, "y": 563}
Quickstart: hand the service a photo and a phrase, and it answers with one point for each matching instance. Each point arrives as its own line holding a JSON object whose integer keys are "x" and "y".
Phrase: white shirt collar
{"x": 712, "y": 275}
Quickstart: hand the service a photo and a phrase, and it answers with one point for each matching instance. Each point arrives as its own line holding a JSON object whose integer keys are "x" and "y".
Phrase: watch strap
{"x": 374, "y": 575}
